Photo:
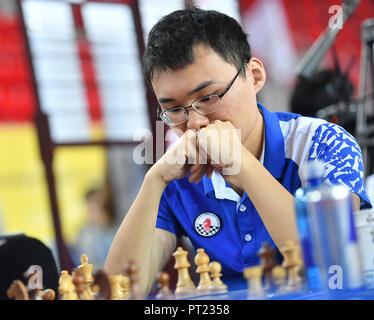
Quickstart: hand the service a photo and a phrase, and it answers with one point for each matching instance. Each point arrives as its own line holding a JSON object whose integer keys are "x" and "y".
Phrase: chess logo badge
{"x": 207, "y": 224}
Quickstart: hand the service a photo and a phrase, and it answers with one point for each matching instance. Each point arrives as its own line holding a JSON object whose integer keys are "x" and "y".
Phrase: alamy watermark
{"x": 34, "y": 276}
{"x": 352, "y": 279}
{"x": 336, "y": 20}
{"x": 336, "y": 279}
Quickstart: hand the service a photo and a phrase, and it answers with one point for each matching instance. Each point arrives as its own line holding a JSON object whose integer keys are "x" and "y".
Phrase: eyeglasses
{"x": 205, "y": 105}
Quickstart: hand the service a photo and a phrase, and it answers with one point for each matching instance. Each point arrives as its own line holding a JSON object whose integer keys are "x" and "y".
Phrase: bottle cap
{"x": 313, "y": 169}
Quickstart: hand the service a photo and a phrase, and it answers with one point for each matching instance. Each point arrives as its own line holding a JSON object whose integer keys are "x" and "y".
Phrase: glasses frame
{"x": 161, "y": 113}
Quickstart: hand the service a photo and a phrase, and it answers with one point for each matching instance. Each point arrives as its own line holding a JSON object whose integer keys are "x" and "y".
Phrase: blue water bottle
{"x": 312, "y": 175}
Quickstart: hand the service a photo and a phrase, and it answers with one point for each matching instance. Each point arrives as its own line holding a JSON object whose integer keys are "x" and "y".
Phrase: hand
{"x": 178, "y": 160}
{"x": 220, "y": 144}
{"x": 198, "y": 169}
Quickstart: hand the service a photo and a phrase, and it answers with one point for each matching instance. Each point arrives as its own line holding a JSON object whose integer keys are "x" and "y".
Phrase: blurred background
{"x": 72, "y": 95}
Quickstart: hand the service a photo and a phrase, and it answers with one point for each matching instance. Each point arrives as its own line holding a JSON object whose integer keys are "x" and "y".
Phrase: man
{"x": 200, "y": 67}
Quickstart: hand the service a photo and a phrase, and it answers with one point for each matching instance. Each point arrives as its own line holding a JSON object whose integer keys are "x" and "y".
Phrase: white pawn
{"x": 217, "y": 285}
{"x": 292, "y": 263}
{"x": 254, "y": 280}
{"x": 66, "y": 287}
{"x": 164, "y": 293}
{"x": 279, "y": 275}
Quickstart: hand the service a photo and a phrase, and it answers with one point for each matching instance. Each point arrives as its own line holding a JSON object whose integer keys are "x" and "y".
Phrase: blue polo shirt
{"x": 214, "y": 217}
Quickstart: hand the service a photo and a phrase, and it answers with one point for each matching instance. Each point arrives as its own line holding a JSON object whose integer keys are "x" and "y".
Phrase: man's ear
{"x": 257, "y": 73}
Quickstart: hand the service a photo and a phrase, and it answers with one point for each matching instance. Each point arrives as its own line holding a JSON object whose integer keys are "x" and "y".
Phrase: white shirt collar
{"x": 219, "y": 184}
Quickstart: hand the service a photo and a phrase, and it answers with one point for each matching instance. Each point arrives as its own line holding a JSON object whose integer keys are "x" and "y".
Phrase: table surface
{"x": 358, "y": 294}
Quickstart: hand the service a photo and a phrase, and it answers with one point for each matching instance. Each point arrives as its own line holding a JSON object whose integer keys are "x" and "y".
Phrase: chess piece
{"x": 33, "y": 290}
{"x": 66, "y": 287}
{"x": 47, "y": 294}
{"x": 202, "y": 261}
{"x": 217, "y": 285}
{"x": 267, "y": 255}
{"x": 292, "y": 263}
{"x": 101, "y": 288}
{"x": 86, "y": 270}
{"x": 279, "y": 275}
{"x": 18, "y": 291}
{"x": 164, "y": 293}
{"x": 115, "y": 284}
{"x": 131, "y": 270}
{"x": 185, "y": 287}
{"x": 253, "y": 275}
{"x": 80, "y": 285}
{"x": 125, "y": 287}
{"x": 37, "y": 294}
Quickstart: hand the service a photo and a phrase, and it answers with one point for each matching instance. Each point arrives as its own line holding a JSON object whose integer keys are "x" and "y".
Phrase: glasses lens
{"x": 174, "y": 116}
{"x": 208, "y": 104}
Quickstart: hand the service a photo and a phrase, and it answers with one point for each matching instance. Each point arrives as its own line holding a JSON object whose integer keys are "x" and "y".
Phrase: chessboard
{"x": 267, "y": 281}
{"x": 304, "y": 294}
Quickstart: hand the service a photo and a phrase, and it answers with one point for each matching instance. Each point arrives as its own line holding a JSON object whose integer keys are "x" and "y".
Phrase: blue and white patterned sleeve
{"x": 343, "y": 158}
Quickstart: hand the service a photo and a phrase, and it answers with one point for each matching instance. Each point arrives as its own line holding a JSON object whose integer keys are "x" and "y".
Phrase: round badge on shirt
{"x": 207, "y": 224}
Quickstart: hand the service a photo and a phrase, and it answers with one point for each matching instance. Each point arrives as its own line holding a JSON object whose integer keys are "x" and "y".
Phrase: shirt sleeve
{"x": 166, "y": 219}
{"x": 343, "y": 158}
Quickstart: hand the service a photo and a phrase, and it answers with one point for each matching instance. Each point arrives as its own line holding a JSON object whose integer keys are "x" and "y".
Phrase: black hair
{"x": 172, "y": 40}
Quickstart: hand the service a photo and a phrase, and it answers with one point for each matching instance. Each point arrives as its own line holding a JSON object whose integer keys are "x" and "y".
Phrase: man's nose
{"x": 196, "y": 120}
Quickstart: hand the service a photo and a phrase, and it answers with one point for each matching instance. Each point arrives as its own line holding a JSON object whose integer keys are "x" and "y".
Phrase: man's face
{"x": 210, "y": 74}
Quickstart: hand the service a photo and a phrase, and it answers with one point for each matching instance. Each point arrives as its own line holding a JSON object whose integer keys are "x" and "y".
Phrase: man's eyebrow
{"x": 165, "y": 100}
{"x": 199, "y": 87}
